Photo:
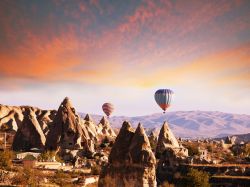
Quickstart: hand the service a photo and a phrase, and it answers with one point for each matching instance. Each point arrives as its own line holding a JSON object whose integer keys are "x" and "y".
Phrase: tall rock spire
{"x": 131, "y": 161}
{"x": 166, "y": 139}
{"x": 67, "y": 130}
{"x": 104, "y": 129}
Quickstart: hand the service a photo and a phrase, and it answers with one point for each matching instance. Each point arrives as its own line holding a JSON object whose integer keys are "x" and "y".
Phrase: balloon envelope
{"x": 163, "y": 98}
{"x": 108, "y": 108}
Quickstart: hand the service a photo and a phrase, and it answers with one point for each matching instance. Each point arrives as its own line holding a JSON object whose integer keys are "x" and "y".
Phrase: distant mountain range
{"x": 189, "y": 124}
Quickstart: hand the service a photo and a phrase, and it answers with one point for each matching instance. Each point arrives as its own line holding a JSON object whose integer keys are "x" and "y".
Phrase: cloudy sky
{"x": 95, "y": 51}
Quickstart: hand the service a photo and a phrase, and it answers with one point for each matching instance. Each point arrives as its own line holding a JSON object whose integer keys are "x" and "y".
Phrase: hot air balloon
{"x": 108, "y": 108}
{"x": 163, "y": 98}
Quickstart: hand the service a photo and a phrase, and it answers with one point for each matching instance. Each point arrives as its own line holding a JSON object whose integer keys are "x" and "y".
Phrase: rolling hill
{"x": 190, "y": 123}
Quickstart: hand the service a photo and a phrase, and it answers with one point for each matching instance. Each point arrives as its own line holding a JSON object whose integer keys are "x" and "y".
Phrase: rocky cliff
{"x": 12, "y": 117}
{"x": 131, "y": 161}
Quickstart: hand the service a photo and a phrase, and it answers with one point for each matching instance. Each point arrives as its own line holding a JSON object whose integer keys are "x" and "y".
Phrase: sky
{"x": 117, "y": 51}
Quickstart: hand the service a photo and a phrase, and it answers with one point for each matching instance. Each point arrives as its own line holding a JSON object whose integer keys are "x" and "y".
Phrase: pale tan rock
{"x": 89, "y": 124}
{"x": 104, "y": 129}
{"x": 13, "y": 116}
{"x": 166, "y": 139}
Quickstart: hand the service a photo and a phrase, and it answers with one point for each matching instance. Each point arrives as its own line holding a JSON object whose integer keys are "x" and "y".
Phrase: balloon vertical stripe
{"x": 163, "y": 98}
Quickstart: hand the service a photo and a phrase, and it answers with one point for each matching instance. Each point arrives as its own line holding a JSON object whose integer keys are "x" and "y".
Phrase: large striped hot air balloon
{"x": 108, "y": 108}
{"x": 163, "y": 98}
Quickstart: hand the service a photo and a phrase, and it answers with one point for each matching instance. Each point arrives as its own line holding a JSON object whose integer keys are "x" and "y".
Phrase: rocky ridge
{"x": 11, "y": 117}
{"x": 62, "y": 130}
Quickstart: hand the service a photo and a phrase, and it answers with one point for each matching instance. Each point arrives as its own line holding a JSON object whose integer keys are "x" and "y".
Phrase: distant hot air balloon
{"x": 163, "y": 98}
{"x": 108, "y": 108}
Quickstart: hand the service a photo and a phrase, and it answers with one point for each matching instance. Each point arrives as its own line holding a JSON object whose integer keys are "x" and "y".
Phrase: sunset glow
{"x": 98, "y": 51}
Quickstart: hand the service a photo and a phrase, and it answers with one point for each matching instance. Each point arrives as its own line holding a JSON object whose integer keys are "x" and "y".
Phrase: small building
{"x": 203, "y": 154}
{"x": 29, "y": 161}
{"x": 216, "y": 161}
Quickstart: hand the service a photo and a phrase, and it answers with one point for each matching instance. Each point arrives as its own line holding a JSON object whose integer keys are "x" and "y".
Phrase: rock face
{"x": 11, "y": 117}
{"x": 230, "y": 140}
{"x": 167, "y": 140}
{"x": 104, "y": 129}
{"x": 153, "y": 139}
{"x": 91, "y": 127}
{"x": 30, "y": 134}
{"x": 170, "y": 154}
{"x": 131, "y": 160}
{"x": 51, "y": 129}
{"x": 67, "y": 131}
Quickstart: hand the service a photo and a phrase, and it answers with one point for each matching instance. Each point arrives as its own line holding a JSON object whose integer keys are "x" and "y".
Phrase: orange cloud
{"x": 226, "y": 67}
{"x": 128, "y": 53}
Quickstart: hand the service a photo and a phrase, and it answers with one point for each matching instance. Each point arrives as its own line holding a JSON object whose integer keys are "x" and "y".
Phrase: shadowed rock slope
{"x": 131, "y": 161}
{"x": 68, "y": 131}
{"x": 30, "y": 134}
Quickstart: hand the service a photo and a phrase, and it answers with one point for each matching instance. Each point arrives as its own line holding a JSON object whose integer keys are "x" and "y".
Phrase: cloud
{"x": 229, "y": 67}
{"x": 157, "y": 42}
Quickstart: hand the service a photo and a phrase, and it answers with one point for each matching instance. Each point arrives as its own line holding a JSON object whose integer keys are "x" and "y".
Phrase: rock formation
{"x": 11, "y": 117}
{"x": 167, "y": 140}
{"x": 131, "y": 160}
{"x": 153, "y": 139}
{"x": 104, "y": 129}
{"x": 68, "y": 132}
{"x": 170, "y": 153}
{"x": 89, "y": 124}
{"x": 230, "y": 140}
{"x": 53, "y": 129}
{"x": 29, "y": 134}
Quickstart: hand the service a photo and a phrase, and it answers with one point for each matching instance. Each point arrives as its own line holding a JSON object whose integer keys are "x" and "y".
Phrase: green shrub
{"x": 193, "y": 150}
{"x": 28, "y": 177}
{"x": 197, "y": 178}
{"x": 62, "y": 178}
{"x": 48, "y": 155}
{"x": 6, "y": 159}
{"x": 247, "y": 150}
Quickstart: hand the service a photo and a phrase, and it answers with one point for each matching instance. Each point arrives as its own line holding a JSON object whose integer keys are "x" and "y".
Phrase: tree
{"x": 28, "y": 177}
{"x": 246, "y": 150}
{"x": 61, "y": 178}
{"x": 48, "y": 155}
{"x": 193, "y": 150}
{"x": 6, "y": 159}
{"x": 197, "y": 178}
